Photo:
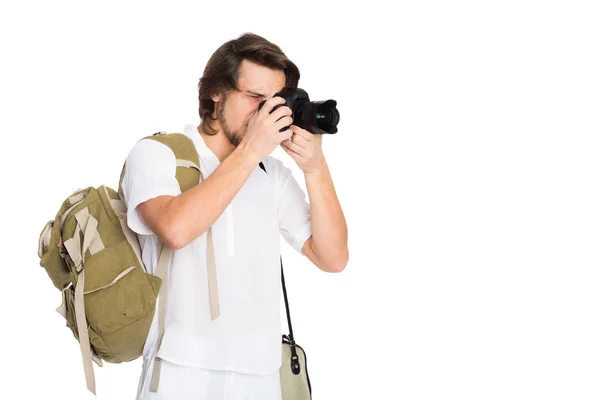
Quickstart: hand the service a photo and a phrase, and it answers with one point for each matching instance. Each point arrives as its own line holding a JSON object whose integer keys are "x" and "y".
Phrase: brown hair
{"x": 222, "y": 70}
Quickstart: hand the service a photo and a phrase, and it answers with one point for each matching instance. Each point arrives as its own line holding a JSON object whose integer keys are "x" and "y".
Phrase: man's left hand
{"x": 306, "y": 149}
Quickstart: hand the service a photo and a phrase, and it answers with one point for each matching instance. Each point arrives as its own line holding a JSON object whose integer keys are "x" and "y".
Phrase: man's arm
{"x": 177, "y": 220}
{"x": 327, "y": 248}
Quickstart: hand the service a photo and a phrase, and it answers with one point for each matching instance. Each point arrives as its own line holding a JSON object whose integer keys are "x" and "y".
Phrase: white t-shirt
{"x": 246, "y": 337}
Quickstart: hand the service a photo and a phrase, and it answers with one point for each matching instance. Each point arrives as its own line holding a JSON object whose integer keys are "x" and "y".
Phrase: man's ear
{"x": 216, "y": 98}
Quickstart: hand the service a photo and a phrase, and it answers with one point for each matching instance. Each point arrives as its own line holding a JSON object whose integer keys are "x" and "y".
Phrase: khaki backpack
{"x": 94, "y": 259}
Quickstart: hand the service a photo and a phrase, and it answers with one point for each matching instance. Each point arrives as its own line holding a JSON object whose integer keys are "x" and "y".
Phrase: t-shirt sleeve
{"x": 293, "y": 210}
{"x": 150, "y": 171}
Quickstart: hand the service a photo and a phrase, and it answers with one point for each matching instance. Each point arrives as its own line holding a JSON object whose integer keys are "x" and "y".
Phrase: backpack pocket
{"x": 120, "y": 300}
{"x": 49, "y": 251}
{"x": 117, "y": 290}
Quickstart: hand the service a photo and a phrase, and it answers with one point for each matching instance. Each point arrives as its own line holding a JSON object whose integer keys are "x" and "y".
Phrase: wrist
{"x": 246, "y": 156}
{"x": 318, "y": 170}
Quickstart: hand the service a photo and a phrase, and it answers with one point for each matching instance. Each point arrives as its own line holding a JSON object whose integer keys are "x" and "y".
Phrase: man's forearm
{"x": 329, "y": 230}
{"x": 191, "y": 213}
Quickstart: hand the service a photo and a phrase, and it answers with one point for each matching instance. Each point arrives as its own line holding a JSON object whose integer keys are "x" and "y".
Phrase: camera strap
{"x": 285, "y": 298}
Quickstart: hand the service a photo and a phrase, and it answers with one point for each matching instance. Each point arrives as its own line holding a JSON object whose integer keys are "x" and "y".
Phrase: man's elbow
{"x": 339, "y": 263}
{"x": 167, "y": 226}
{"x": 173, "y": 243}
{"x": 177, "y": 235}
{"x": 173, "y": 238}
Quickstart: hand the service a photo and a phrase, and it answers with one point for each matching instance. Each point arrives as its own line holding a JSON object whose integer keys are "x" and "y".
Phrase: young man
{"x": 236, "y": 355}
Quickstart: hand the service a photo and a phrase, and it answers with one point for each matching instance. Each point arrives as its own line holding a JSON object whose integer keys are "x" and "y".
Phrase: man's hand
{"x": 262, "y": 135}
{"x": 306, "y": 149}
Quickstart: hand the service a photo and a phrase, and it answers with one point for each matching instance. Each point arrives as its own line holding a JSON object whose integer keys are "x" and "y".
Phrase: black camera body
{"x": 317, "y": 117}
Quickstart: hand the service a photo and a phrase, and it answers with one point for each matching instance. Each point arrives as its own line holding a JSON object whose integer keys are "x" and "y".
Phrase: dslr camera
{"x": 317, "y": 117}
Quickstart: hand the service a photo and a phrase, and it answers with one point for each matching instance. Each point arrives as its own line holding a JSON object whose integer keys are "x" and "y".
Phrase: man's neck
{"x": 218, "y": 144}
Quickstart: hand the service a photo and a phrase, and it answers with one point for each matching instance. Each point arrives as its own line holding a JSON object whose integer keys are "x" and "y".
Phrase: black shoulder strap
{"x": 285, "y": 299}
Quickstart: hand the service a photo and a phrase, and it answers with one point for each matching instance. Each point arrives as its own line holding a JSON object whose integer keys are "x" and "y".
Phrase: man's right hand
{"x": 262, "y": 135}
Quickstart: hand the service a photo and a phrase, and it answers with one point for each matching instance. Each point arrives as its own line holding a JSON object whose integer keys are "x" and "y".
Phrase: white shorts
{"x": 182, "y": 383}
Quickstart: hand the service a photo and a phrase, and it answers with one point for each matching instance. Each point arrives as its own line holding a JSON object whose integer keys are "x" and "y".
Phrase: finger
{"x": 301, "y": 132}
{"x": 292, "y": 154}
{"x": 284, "y": 122}
{"x": 300, "y": 141}
{"x": 268, "y": 106}
{"x": 279, "y": 113}
{"x": 301, "y": 151}
{"x": 283, "y": 136}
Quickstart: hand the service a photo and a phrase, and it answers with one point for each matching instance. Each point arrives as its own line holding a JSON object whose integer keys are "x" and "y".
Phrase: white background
{"x": 467, "y": 165}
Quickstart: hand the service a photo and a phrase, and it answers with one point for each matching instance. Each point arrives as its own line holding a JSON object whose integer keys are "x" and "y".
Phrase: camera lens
{"x": 327, "y": 116}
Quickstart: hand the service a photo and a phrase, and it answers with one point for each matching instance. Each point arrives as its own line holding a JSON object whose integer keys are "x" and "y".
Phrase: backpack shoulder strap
{"x": 187, "y": 172}
{"x": 188, "y": 162}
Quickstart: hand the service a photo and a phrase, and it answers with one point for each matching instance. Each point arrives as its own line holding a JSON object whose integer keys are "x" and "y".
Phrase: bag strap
{"x": 287, "y": 304}
{"x": 285, "y": 298}
{"x": 76, "y": 249}
{"x": 187, "y": 160}
{"x": 165, "y": 255}
{"x": 188, "y": 175}
{"x": 295, "y": 363}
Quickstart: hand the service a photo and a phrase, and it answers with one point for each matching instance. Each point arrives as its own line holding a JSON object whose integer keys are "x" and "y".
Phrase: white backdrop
{"x": 467, "y": 164}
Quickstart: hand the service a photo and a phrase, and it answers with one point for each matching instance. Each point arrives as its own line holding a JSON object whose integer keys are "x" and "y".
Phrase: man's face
{"x": 256, "y": 83}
